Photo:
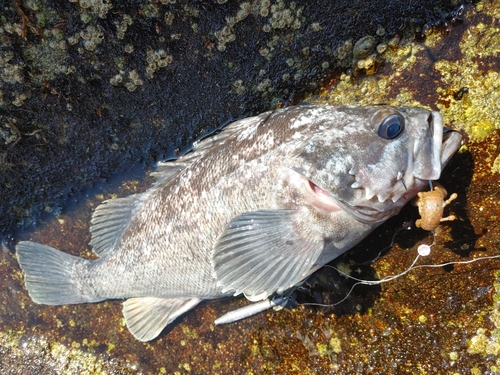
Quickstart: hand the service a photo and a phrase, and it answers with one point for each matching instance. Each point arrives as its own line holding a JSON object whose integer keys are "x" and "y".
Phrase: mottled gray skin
{"x": 252, "y": 210}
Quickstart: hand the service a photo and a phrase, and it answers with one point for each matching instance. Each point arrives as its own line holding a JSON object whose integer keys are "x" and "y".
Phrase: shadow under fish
{"x": 253, "y": 210}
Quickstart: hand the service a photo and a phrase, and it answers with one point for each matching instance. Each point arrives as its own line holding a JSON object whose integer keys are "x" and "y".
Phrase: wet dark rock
{"x": 92, "y": 88}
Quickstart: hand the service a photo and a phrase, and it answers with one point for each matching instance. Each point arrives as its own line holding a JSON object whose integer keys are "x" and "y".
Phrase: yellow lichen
{"x": 478, "y": 343}
{"x": 334, "y": 345}
{"x": 371, "y": 90}
{"x": 496, "y": 165}
{"x": 478, "y": 111}
{"x": 486, "y": 341}
{"x": 190, "y": 333}
{"x": 453, "y": 356}
{"x": 111, "y": 346}
{"x": 58, "y": 358}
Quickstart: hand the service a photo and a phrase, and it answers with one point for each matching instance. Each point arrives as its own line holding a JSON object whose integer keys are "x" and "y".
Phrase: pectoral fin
{"x": 146, "y": 317}
{"x": 261, "y": 253}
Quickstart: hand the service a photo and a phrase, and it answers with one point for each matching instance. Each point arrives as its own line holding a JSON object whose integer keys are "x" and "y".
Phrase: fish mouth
{"x": 371, "y": 215}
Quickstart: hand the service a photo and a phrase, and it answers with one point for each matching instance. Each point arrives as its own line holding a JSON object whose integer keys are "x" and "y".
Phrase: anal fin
{"x": 146, "y": 317}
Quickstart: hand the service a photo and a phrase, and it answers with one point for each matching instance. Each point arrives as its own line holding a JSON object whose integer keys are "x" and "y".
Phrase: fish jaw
{"x": 427, "y": 156}
{"x": 430, "y": 157}
{"x": 452, "y": 141}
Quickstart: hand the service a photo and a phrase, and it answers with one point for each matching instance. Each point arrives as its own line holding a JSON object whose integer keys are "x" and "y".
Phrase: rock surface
{"x": 430, "y": 320}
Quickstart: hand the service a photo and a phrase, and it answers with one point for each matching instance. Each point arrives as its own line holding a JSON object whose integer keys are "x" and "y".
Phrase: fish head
{"x": 372, "y": 160}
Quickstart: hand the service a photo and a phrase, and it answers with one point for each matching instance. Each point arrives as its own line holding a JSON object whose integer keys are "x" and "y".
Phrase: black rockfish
{"x": 252, "y": 210}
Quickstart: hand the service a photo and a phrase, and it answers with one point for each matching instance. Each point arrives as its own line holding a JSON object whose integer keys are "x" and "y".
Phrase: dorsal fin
{"x": 169, "y": 169}
{"x": 229, "y": 130}
{"x": 110, "y": 220}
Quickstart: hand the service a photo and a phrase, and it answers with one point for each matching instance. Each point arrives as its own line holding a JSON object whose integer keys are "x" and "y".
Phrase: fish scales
{"x": 253, "y": 210}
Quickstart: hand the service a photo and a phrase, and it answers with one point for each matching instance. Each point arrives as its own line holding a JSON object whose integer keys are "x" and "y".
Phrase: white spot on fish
{"x": 309, "y": 149}
{"x": 248, "y": 132}
{"x": 267, "y": 142}
{"x": 301, "y": 121}
{"x": 307, "y": 119}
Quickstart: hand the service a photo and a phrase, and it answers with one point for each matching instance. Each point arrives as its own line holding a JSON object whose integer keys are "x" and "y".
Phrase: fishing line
{"x": 405, "y": 226}
{"x": 423, "y": 250}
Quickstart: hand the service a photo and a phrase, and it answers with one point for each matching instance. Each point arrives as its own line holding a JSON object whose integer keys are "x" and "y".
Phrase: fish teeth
{"x": 397, "y": 196}
{"x": 356, "y": 185}
{"x": 382, "y": 198}
{"x": 369, "y": 194}
{"x": 353, "y": 172}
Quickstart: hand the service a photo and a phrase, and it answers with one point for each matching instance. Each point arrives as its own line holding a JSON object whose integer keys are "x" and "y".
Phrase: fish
{"x": 253, "y": 211}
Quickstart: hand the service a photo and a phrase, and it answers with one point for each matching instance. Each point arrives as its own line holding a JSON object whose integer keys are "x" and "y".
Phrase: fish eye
{"x": 389, "y": 126}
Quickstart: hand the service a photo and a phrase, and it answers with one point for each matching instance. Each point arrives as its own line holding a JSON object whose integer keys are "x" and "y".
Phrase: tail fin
{"x": 48, "y": 274}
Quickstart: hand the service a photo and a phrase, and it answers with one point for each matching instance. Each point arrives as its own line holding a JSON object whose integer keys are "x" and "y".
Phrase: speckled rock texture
{"x": 430, "y": 320}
